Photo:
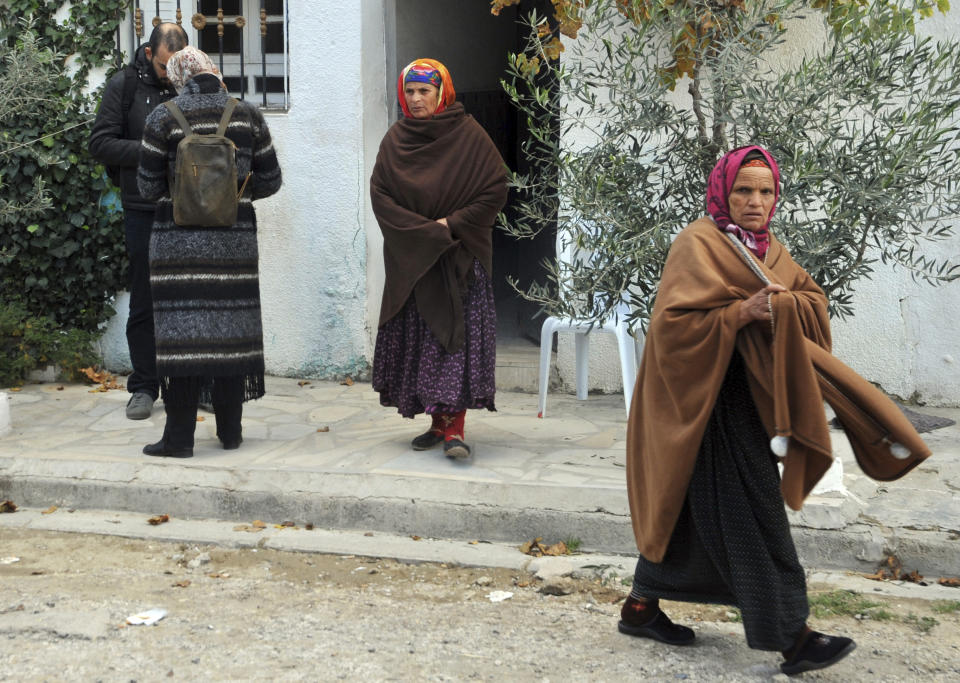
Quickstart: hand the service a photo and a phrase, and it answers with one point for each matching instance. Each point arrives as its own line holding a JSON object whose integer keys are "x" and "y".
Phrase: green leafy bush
{"x": 28, "y": 343}
{"x": 62, "y": 254}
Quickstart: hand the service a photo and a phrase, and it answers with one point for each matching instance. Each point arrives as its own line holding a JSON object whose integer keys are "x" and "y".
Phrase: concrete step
{"x": 518, "y": 366}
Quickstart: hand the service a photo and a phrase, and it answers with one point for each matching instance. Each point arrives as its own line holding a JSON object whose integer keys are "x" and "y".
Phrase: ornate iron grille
{"x": 252, "y": 55}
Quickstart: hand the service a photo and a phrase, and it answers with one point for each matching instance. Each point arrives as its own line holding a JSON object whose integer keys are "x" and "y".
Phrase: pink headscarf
{"x": 719, "y": 185}
{"x": 187, "y": 63}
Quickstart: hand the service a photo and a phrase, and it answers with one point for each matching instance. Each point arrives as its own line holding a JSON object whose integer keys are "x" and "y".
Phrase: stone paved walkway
{"x": 329, "y": 453}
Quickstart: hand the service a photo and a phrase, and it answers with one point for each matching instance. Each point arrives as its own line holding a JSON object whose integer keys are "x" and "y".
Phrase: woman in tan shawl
{"x": 437, "y": 187}
{"x": 735, "y": 370}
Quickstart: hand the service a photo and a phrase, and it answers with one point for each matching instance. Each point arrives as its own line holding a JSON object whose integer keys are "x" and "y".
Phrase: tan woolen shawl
{"x": 445, "y": 166}
{"x": 692, "y": 335}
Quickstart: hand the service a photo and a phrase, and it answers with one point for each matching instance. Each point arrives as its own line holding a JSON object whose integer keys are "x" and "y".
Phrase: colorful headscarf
{"x": 719, "y": 185}
{"x": 187, "y": 63}
{"x": 427, "y": 71}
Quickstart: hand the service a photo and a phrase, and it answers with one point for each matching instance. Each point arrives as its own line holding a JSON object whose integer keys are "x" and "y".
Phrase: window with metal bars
{"x": 247, "y": 39}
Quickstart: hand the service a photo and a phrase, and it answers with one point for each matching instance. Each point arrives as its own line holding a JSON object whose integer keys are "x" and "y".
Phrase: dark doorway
{"x": 474, "y": 45}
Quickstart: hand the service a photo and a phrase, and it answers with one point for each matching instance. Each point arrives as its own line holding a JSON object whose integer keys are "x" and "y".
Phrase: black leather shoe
{"x": 659, "y": 628}
{"x": 456, "y": 449}
{"x": 426, "y": 441}
{"x": 818, "y": 652}
{"x": 161, "y": 449}
{"x": 232, "y": 444}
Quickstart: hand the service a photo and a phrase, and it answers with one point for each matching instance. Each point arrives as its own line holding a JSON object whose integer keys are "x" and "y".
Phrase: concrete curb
{"x": 391, "y": 504}
{"x": 610, "y": 567}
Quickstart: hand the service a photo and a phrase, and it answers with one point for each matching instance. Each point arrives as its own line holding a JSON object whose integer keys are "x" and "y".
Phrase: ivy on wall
{"x": 66, "y": 260}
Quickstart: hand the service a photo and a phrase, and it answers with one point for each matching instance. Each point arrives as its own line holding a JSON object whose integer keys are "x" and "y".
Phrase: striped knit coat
{"x": 206, "y": 291}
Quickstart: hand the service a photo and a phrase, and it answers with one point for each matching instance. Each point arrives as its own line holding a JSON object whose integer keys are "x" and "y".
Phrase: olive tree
{"x": 626, "y": 126}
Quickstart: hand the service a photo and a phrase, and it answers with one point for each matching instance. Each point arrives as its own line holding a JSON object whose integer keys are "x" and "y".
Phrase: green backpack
{"x": 204, "y": 182}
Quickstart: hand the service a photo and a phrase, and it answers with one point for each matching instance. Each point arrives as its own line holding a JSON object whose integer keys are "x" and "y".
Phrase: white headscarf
{"x": 187, "y": 63}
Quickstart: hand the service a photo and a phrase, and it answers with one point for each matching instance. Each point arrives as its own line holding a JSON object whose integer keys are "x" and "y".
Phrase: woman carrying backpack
{"x": 204, "y": 276}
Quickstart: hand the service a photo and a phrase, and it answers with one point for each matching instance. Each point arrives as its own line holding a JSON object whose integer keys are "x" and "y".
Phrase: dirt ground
{"x": 256, "y": 614}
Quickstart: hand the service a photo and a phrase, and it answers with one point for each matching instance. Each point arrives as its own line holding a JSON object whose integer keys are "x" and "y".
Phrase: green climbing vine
{"x": 62, "y": 253}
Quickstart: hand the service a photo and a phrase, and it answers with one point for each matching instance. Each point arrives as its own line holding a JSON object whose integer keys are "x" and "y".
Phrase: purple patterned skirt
{"x": 412, "y": 371}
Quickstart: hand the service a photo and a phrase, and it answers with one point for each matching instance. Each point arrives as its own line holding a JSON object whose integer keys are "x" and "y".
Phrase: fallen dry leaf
{"x": 8, "y": 506}
{"x": 49, "y": 510}
{"x": 308, "y": 526}
{"x": 101, "y": 377}
{"x": 60, "y": 388}
{"x": 181, "y": 584}
{"x": 324, "y": 429}
{"x": 201, "y": 418}
{"x": 538, "y": 549}
{"x": 369, "y": 533}
{"x": 219, "y": 575}
{"x": 302, "y": 383}
{"x": 951, "y": 581}
{"x": 257, "y": 524}
{"x": 36, "y": 572}
{"x": 348, "y": 382}
{"x": 559, "y": 548}
{"x": 15, "y": 389}
{"x": 288, "y": 523}
{"x": 892, "y": 570}
{"x": 532, "y": 547}
{"x": 474, "y": 542}
{"x": 415, "y": 537}
{"x": 158, "y": 519}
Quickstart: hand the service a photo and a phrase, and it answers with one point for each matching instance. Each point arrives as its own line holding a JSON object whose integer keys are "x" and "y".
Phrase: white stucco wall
{"x": 904, "y": 335}
{"x": 313, "y": 248}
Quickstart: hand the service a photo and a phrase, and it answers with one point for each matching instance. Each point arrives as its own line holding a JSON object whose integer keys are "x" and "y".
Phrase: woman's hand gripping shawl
{"x": 445, "y": 166}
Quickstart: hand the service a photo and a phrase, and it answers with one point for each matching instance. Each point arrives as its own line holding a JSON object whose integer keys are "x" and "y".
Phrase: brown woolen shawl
{"x": 445, "y": 166}
{"x": 692, "y": 335}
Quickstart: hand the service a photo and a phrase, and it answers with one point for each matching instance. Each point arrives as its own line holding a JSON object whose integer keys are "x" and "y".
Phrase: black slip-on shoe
{"x": 161, "y": 449}
{"x": 818, "y": 652}
{"x": 231, "y": 444}
{"x": 426, "y": 441}
{"x": 456, "y": 449}
{"x": 659, "y": 628}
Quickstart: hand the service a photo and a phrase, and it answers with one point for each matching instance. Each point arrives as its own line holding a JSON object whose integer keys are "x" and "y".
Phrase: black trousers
{"x": 181, "y": 423}
{"x": 140, "y": 337}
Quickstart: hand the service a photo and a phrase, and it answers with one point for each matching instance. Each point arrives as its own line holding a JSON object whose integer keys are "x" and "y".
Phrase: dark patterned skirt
{"x": 415, "y": 374}
{"x": 732, "y": 543}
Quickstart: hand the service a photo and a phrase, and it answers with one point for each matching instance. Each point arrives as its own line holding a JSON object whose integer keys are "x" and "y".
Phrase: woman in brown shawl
{"x": 735, "y": 370}
{"x": 437, "y": 187}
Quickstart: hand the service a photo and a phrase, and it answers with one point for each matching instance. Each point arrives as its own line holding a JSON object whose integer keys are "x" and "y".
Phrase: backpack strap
{"x": 180, "y": 118}
{"x": 225, "y": 119}
{"x": 131, "y": 78}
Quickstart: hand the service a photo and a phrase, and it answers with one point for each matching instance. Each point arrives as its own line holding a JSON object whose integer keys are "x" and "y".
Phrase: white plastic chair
{"x": 629, "y": 348}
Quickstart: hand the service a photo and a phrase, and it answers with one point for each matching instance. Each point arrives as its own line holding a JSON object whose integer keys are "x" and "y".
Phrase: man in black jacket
{"x": 115, "y": 142}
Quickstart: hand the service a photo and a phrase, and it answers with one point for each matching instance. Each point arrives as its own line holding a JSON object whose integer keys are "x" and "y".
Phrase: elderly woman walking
{"x": 735, "y": 370}
{"x": 437, "y": 187}
{"x": 204, "y": 280}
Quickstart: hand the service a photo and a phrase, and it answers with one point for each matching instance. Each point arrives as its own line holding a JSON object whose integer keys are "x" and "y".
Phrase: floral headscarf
{"x": 427, "y": 71}
{"x": 187, "y": 63}
{"x": 719, "y": 185}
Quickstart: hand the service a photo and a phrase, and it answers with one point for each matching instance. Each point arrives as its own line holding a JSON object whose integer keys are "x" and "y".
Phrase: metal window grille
{"x": 251, "y": 53}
